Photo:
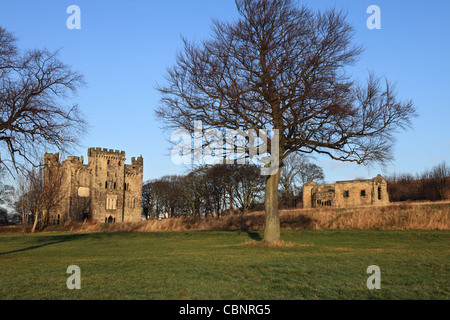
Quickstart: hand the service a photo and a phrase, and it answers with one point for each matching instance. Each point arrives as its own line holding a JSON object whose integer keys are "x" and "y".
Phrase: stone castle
{"x": 103, "y": 190}
{"x": 346, "y": 193}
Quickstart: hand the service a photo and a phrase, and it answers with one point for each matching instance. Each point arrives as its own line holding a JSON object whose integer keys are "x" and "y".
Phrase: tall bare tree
{"x": 249, "y": 183}
{"x": 218, "y": 181}
{"x": 440, "y": 173}
{"x": 148, "y": 200}
{"x": 281, "y": 66}
{"x": 33, "y": 113}
{"x": 296, "y": 171}
{"x": 39, "y": 192}
{"x": 6, "y": 190}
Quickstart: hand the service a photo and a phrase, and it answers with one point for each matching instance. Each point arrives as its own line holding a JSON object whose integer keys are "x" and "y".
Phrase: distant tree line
{"x": 431, "y": 185}
{"x": 205, "y": 191}
{"x": 225, "y": 188}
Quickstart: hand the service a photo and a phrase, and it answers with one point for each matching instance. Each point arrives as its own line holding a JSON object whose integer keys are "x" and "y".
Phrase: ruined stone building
{"x": 103, "y": 190}
{"x": 346, "y": 193}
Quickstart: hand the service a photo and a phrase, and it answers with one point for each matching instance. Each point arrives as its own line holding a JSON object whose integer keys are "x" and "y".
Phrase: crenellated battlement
{"x": 137, "y": 161}
{"x": 51, "y": 157}
{"x": 95, "y": 152}
{"x": 74, "y": 160}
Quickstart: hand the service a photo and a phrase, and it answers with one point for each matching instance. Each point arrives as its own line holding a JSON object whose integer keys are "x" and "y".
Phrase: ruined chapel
{"x": 346, "y": 193}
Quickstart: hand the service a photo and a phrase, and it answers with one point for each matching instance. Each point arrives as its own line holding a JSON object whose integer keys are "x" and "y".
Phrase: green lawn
{"x": 216, "y": 265}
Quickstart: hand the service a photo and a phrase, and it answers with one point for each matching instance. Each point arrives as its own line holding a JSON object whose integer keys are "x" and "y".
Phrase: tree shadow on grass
{"x": 254, "y": 235}
{"x": 48, "y": 241}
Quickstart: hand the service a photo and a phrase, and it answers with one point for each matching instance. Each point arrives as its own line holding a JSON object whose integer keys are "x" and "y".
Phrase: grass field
{"x": 218, "y": 265}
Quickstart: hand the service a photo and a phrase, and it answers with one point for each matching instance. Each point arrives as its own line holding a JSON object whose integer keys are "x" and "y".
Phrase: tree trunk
{"x": 272, "y": 228}
{"x": 230, "y": 193}
{"x": 36, "y": 218}
{"x": 24, "y": 222}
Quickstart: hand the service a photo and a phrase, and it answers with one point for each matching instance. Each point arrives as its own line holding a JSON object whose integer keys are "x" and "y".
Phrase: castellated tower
{"x": 103, "y": 190}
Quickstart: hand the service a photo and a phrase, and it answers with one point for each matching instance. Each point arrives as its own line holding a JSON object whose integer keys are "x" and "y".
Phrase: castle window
{"x": 346, "y": 194}
{"x": 106, "y": 185}
{"x": 114, "y": 185}
{"x": 119, "y": 163}
{"x": 111, "y": 202}
{"x": 108, "y": 161}
{"x": 130, "y": 202}
{"x": 363, "y": 193}
{"x": 379, "y": 193}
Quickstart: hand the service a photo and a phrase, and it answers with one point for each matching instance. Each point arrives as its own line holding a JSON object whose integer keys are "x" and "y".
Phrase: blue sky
{"x": 124, "y": 48}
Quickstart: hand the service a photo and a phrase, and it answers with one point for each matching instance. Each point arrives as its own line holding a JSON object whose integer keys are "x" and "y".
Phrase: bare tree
{"x": 283, "y": 67}
{"x": 30, "y": 189}
{"x": 22, "y": 204}
{"x": 33, "y": 116}
{"x": 6, "y": 198}
{"x": 166, "y": 196}
{"x": 295, "y": 172}
{"x": 6, "y": 190}
{"x": 148, "y": 200}
{"x": 440, "y": 173}
{"x": 193, "y": 191}
{"x": 8, "y": 51}
{"x": 218, "y": 182}
{"x": 39, "y": 192}
{"x": 249, "y": 183}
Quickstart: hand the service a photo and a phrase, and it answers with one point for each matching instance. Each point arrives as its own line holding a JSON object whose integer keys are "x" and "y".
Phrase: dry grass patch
{"x": 274, "y": 244}
{"x": 396, "y": 216}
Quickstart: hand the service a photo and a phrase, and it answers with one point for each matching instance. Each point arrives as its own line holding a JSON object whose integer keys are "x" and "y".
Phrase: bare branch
{"x": 33, "y": 114}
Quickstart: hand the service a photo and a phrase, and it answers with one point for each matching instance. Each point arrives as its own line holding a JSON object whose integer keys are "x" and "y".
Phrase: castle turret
{"x": 51, "y": 158}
